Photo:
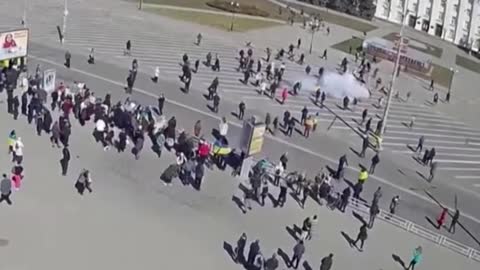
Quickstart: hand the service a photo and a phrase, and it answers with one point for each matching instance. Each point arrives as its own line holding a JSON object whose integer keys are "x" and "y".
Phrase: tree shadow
{"x": 399, "y": 260}
{"x": 284, "y": 256}
{"x": 229, "y": 249}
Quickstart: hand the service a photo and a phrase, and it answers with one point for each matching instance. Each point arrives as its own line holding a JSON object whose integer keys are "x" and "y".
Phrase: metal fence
{"x": 411, "y": 227}
{"x": 421, "y": 231}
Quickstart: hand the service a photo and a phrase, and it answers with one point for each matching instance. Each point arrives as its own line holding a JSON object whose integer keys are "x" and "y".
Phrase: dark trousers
{"x": 241, "y": 113}
{"x": 6, "y": 197}
{"x": 295, "y": 261}
{"x": 67, "y": 62}
{"x": 452, "y": 227}
{"x": 64, "y": 164}
{"x": 289, "y": 131}
{"x": 362, "y": 241}
{"x": 372, "y": 168}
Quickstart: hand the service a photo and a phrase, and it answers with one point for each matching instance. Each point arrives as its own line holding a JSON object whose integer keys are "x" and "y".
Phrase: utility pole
{"x": 452, "y": 72}
{"x": 394, "y": 76}
{"x": 65, "y": 15}
{"x": 314, "y": 28}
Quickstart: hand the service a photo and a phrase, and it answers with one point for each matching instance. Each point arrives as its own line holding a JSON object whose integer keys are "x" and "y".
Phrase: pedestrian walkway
{"x": 457, "y": 145}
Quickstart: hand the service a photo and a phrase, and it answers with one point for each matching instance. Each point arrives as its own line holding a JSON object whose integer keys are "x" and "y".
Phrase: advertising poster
{"x": 14, "y": 44}
{"x": 49, "y": 77}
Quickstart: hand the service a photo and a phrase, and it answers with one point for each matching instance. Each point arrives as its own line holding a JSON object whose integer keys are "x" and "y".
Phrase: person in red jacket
{"x": 284, "y": 95}
{"x": 441, "y": 219}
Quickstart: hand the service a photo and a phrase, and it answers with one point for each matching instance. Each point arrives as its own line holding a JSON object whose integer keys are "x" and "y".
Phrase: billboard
{"x": 251, "y": 140}
{"x": 13, "y": 44}
{"x": 384, "y": 49}
{"x": 49, "y": 80}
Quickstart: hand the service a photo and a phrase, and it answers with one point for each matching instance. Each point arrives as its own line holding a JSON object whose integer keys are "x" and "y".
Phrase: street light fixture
{"x": 314, "y": 27}
{"x": 395, "y": 70}
{"x": 234, "y": 5}
{"x": 452, "y": 74}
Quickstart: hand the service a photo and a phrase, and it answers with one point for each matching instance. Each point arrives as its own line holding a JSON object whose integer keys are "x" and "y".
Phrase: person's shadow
{"x": 284, "y": 257}
{"x": 399, "y": 260}
{"x": 347, "y": 238}
{"x": 229, "y": 249}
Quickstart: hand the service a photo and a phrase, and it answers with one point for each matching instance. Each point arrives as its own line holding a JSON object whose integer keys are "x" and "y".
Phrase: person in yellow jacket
{"x": 12, "y": 138}
{"x": 363, "y": 176}
{"x": 308, "y": 126}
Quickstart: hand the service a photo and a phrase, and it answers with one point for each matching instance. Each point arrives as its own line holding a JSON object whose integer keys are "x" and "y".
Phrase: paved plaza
{"x": 139, "y": 221}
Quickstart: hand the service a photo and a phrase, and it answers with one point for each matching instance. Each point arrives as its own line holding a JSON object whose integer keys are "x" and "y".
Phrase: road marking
{"x": 303, "y": 149}
{"x": 457, "y": 155}
{"x": 457, "y": 161}
{"x": 459, "y": 169}
{"x": 467, "y": 177}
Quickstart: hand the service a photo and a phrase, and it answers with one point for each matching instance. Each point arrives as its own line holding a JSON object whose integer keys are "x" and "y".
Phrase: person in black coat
{"x": 169, "y": 173}
{"x": 122, "y": 141}
{"x": 15, "y": 105}
{"x": 47, "y": 121}
{"x": 65, "y": 160}
{"x": 39, "y": 123}
{"x": 327, "y": 262}
{"x": 24, "y": 103}
{"x": 252, "y": 253}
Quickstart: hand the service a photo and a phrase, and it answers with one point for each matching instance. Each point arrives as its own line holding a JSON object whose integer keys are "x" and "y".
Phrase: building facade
{"x": 456, "y": 21}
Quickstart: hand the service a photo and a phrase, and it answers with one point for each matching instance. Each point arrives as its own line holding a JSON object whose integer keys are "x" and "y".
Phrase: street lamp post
{"x": 453, "y": 72}
{"x": 24, "y": 17}
{"x": 234, "y": 5}
{"x": 394, "y": 76}
{"x": 65, "y": 15}
{"x": 314, "y": 28}
{"x": 140, "y": 4}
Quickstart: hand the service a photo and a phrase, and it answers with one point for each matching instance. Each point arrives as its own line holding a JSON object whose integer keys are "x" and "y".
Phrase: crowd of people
{"x": 123, "y": 123}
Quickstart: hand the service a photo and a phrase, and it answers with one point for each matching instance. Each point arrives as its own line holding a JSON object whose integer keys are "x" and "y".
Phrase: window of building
{"x": 428, "y": 11}
{"x": 451, "y": 34}
{"x": 455, "y": 6}
{"x": 444, "y": 3}
{"x": 441, "y": 15}
{"x": 454, "y": 21}
{"x": 466, "y": 25}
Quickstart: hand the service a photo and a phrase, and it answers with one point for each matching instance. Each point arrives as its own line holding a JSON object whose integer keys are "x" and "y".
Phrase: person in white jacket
{"x": 223, "y": 128}
{"x": 156, "y": 75}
